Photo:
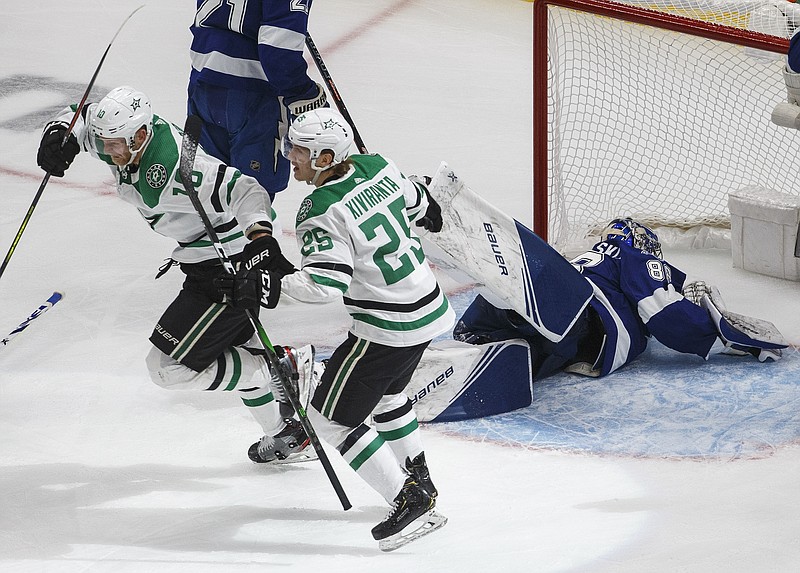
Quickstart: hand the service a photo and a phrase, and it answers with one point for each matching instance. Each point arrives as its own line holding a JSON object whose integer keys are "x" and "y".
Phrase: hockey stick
{"x": 191, "y": 136}
{"x": 797, "y": 243}
{"x": 63, "y": 141}
{"x": 326, "y": 77}
{"x": 54, "y": 298}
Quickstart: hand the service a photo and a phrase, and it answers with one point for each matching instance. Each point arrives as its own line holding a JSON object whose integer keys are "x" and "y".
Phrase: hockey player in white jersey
{"x": 354, "y": 234}
{"x": 200, "y": 342}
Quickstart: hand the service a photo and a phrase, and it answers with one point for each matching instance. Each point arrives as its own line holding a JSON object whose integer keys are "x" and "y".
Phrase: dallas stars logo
{"x": 156, "y": 176}
{"x": 305, "y": 209}
{"x": 330, "y": 124}
{"x": 136, "y": 103}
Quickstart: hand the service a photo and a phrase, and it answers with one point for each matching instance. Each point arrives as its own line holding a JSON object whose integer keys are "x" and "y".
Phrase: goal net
{"x": 656, "y": 110}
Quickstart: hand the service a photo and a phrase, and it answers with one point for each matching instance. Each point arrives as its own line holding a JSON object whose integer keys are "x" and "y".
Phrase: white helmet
{"x": 120, "y": 114}
{"x": 319, "y": 130}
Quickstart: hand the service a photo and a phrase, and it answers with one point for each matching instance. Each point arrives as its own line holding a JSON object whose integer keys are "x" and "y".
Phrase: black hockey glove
{"x": 264, "y": 254}
{"x": 51, "y": 156}
{"x": 259, "y": 254}
{"x": 258, "y": 280}
{"x": 432, "y": 221}
{"x": 247, "y": 290}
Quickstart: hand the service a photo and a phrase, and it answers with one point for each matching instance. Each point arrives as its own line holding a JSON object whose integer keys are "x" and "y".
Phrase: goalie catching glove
{"x": 257, "y": 282}
{"x": 741, "y": 335}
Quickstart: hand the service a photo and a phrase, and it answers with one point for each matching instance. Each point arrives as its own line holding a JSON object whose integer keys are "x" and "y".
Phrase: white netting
{"x": 660, "y": 125}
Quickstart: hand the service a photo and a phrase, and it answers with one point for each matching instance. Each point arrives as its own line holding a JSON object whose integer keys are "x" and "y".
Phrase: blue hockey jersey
{"x": 251, "y": 45}
{"x": 638, "y": 295}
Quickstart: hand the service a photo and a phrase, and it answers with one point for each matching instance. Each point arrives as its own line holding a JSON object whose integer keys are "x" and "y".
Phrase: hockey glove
{"x": 247, "y": 290}
{"x": 741, "y": 335}
{"x": 259, "y": 254}
{"x": 695, "y": 291}
{"x": 264, "y": 254}
{"x": 313, "y": 98}
{"x": 52, "y": 157}
{"x": 432, "y": 221}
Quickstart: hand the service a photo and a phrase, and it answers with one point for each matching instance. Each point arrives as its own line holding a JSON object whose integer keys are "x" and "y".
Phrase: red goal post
{"x": 696, "y": 128}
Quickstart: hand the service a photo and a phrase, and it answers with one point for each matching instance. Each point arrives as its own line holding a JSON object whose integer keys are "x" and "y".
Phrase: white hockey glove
{"x": 314, "y": 98}
{"x": 741, "y": 335}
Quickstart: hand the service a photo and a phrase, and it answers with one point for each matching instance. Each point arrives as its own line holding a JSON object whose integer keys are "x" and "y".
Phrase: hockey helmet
{"x": 120, "y": 114}
{"x": 634, "y": 234}
{"x": 319, "y": 130}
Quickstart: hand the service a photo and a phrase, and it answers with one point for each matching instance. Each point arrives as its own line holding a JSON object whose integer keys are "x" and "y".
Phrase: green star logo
{"x": 329, "y": 124}
{"x": 136, "y": 103}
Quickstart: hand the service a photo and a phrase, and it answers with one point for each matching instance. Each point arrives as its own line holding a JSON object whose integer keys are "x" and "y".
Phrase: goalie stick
{"x": 72, "y": 123}
{"x": 48, "y": 304}
{"x": 191, "y": 137}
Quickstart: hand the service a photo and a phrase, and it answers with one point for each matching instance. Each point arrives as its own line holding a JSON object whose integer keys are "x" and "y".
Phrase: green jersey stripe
{"x": 325, "y": 281}
{"x": 403, "y": 326}
{"x": 255, "y": 402}
{"x": 201, "y": 243}
{"x": 237, "y": 370}
{"x": 366, "y": 453}
{"x": 400, "y": 432}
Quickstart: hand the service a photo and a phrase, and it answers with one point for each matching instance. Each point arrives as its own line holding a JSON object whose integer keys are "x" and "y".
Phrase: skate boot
{"x": 286, "y": 446}
{"x": 412, "y": 502}
{"x": 419, "y": 470}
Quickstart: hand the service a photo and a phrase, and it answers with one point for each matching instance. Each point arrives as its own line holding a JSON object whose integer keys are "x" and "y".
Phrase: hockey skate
{"x": 412, "y": 516}
{"x": 419, "y": 470}
{"x": 288, "y": 446}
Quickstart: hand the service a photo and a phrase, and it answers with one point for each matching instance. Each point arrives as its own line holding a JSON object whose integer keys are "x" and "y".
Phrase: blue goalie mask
{"x": 634, "y": 234}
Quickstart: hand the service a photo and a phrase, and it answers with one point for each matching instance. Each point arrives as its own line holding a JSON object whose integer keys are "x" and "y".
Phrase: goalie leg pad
{"x": 458, "y": 381}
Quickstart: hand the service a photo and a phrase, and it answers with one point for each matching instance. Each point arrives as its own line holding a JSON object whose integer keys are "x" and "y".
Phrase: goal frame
{"x": 611, "y": 9}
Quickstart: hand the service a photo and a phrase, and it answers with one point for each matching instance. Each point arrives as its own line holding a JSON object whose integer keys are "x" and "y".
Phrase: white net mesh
{"x": 660, "y": 125}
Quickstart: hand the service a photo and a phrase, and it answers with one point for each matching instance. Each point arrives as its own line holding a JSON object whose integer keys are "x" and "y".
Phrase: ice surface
{"x": 670, "y": 465}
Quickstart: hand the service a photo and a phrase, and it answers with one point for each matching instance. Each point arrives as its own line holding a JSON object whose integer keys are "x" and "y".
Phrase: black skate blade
{"x": 420, "y": 527}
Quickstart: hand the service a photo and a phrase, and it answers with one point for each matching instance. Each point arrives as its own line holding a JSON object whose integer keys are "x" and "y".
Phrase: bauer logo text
{"x": 495, "y": 246}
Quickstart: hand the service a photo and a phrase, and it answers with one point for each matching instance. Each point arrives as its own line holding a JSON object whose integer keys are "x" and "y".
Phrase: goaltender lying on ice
{"x": 538, "y": 314}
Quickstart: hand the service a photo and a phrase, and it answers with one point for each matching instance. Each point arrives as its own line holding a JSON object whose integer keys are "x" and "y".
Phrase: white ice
{"x": 672, "y": 465}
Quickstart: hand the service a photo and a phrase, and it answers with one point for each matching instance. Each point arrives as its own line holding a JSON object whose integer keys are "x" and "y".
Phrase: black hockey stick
{"x": 797, "y": 243}
{"x": 63, "y": 141}
{"x": 326, "y": 77}
{"x": 191, "y": 136}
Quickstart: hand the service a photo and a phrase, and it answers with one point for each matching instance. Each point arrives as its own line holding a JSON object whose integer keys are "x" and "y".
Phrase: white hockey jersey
{"x": 355, "y": 238}
{"x": 232, "y": 201}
